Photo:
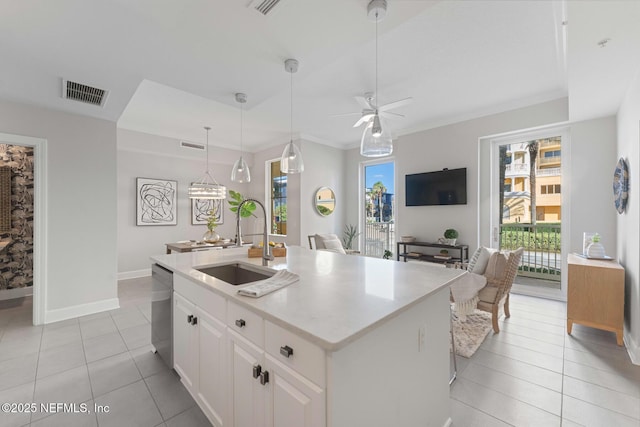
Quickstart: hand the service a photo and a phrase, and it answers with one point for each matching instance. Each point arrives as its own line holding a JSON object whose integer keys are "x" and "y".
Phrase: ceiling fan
{"x": 370, "y": 109}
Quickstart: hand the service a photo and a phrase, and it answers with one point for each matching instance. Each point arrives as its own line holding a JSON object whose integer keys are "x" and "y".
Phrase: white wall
{"x": 628, "y": 223}
{"x": 81, "y": 205}
{"x": 324, "y": 167}
{"x": 152, "y": 156}
{"x": 452, "y": 146}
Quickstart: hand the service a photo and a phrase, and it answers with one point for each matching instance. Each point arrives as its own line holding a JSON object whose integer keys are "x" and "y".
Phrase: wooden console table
{"x": 461, "y": 250}
{"x": 595, "y": 295}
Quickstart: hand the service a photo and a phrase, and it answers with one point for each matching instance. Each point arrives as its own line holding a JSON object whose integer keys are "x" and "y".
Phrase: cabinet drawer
{"x": 246, "y": 323}
{"x": 209, "y": 301}
{"x": 306, "y": 358}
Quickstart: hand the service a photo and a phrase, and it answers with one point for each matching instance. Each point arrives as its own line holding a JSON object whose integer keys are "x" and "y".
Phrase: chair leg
{"x": 494, "y": 319}
{"x": 507, "y": 313}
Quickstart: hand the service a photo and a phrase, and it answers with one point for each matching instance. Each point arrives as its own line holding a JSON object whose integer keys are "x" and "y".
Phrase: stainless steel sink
{"x": 235, "y": 273}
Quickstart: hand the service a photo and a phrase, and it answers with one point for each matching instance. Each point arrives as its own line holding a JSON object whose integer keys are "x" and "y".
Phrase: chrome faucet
{"x": 266, "y": 250}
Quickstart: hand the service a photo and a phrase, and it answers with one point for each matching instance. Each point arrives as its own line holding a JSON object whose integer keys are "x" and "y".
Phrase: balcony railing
{"x": 517, "y": 168}
{"x": 378, "y": 237}
{"x": 549, "y": 143}
{"x": 549, "y": 172}
{"x": 541, "y": 243}
{"x": 550, "y": 160}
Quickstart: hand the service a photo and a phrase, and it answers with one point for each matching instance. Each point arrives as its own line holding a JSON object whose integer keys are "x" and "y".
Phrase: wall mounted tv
{"x": 445, "y": 187}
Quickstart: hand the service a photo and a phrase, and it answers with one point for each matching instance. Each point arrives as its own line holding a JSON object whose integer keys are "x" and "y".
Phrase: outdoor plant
{"x": 349, "y": 234}
{"x": 450, "y": 233}
{"x": 387, "y": 254}
{"x": 444, "y": 252}
{"x": 234, "y": 202}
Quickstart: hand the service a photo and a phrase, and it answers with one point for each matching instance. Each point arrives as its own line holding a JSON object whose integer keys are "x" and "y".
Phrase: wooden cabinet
{"x": 199, "y": 348}
{"x": 595, "y": 295}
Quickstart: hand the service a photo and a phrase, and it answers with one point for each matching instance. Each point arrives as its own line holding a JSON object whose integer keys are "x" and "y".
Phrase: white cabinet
{"x": 200, "y": 357}
{"x": 246, "y": 408}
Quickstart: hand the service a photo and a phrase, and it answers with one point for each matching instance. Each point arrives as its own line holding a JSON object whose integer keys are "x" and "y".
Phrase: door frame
{"x": 361, "y": 206}
{"x": 488, "y": 219}
{"x": 39, "y": 219}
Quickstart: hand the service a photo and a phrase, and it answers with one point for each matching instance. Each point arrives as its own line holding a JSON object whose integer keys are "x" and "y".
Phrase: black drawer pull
{"x": 240, "y": 323}
{"x": 264, "y": 377}
{"x": 190, "y": 318}
{"x": 286, "y": 351}
{"x": 257, "y": 370}
{"x": 194, "y": 321}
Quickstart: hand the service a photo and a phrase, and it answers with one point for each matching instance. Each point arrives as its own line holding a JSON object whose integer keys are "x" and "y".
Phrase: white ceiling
{"x": 173, "y": 66}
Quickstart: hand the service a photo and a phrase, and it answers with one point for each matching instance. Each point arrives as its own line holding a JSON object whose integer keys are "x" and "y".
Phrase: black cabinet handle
{"x": 286, "y": 351}
{"x": 240, "y": 323}
{"x": 264, "y": 377}
{"x": 257, "y": 370}
{"x": 190, "y": 318}
{"x": 194, "y": 321}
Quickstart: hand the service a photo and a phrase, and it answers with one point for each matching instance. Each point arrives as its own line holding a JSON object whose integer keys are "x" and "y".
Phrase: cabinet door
{"x": 292, "y": 399}
{"x": 212, "y": 384}
{"x": 184, "y": 341}
{"x": 247, "y": 394}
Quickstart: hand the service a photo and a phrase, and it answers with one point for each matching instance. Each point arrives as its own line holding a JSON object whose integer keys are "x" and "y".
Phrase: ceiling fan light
{"x": 240, "y": 172}
{"x": 371, "y": 146}
{"x": 291, "y": 160}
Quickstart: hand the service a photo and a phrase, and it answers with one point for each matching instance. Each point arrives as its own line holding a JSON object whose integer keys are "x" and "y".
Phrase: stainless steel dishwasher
{"x": 162, "y": 312}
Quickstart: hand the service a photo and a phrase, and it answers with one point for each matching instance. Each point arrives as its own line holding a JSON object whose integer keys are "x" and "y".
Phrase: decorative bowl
{"x": 407, "y": 239}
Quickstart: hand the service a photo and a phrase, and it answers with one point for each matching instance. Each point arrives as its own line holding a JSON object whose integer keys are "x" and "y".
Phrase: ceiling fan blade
{"x": 395, "y": 104}
{"x": 355, "y": 113}
{"x": 363, "y": 119}
{"x": 392, "y": 116}
{"x": 364, "y": 103}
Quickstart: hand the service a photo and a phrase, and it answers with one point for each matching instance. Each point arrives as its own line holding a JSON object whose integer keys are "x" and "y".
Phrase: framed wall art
{"x": 156, "y": 201}
{"x": 200, "y": 209}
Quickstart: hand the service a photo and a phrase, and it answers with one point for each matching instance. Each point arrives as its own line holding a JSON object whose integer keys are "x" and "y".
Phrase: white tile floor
{"x": 531, "y": 374}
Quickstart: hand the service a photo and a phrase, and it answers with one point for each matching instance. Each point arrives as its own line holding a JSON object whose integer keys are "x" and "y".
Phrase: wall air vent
{"x": 263, "y": 6}
{"x": 83, "y": 93}
{"x": 191, "y": 145}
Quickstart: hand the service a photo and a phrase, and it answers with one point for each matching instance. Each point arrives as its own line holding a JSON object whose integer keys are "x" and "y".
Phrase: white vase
{"x": 595, "y": 250}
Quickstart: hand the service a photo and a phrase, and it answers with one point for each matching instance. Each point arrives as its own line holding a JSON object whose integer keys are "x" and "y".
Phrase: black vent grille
{"x": 266, "y": 5}
{"x": 83, "y": 93}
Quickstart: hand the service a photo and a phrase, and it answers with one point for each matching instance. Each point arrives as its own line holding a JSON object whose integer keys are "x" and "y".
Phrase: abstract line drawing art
{"x": 200, "y": 209}
{"x": 156, "y": 201}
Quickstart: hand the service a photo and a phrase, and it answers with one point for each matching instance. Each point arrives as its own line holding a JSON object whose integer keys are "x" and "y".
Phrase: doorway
{"x": 528, "y": 204}
{"x": 378, "y": 213}
{"x": 25, "y": 257}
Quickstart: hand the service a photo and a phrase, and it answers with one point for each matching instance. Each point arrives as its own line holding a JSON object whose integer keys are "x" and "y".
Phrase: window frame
{"x": 269, "y": 199}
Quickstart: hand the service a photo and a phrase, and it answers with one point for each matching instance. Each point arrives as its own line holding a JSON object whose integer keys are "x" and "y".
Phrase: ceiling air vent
{"x": 83, "y": 93}
{"x": 263, "y": 6}
{"x": 192, "y": 145}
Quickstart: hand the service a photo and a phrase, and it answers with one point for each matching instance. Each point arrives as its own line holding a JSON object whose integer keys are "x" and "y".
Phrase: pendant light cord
{"x": 377, "y": 103}
{"x": 291, "y": 104}
{"x": 241, "y": 105}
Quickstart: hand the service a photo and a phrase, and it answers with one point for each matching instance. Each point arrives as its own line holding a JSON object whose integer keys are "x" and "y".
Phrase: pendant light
{"x": 291, "y": 160}
{"x": 207, "y": 187}
{"x": 240, "y": 172}
{"x": 376, "y": 140}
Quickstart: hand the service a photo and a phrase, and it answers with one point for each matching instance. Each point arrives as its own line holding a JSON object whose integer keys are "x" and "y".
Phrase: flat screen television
{"x": 445, "y": 187}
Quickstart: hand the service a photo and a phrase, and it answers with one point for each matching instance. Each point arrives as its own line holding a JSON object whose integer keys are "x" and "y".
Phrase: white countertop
{"x": 338, "y": 298}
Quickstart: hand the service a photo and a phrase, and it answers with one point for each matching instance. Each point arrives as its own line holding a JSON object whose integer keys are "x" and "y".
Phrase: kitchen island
{"x": 356, "y": 341}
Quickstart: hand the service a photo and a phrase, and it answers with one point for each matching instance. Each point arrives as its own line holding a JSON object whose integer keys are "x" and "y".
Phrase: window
{"x": 550, "y": 189}
{"x": 277, "y": 182}
{"x": 554, "y": 153}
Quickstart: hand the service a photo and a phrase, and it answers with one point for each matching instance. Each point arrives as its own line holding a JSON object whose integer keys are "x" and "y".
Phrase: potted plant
{"x": 211, "y": 236}
{"x": 350, "y": 233}
{"x": 450, "y": 235}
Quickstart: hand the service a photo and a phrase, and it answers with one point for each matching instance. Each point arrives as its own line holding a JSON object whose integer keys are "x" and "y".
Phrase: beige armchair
{"x": 499, "y": 279}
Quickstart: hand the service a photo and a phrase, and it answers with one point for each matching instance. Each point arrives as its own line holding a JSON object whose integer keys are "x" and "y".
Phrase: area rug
{"x": 470, "y": 334}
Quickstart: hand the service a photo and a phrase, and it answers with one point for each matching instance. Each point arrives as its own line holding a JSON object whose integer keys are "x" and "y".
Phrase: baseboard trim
{"x": 134, "y": 274}
{"x": 72, "y": 312}
{"x": 6, "y": 294}
{"x": 633, "y": 349}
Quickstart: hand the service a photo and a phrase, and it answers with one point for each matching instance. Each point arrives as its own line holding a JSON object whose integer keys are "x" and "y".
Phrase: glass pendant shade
{"x": 240, "y": 172}
{"x": 376, "y": 146}
{"x": 291, "y": 160}
{"x": 207, "y": 187}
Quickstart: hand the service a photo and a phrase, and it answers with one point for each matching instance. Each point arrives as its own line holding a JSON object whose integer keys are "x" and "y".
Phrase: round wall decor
{"x": 621, "y": 185}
